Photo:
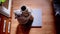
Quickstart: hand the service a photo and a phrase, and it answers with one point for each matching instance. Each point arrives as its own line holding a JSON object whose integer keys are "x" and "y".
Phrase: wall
{"x": 47, "y": 16}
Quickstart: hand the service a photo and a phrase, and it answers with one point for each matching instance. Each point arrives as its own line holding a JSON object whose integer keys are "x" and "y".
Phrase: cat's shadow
{"x": 24, "y": 28}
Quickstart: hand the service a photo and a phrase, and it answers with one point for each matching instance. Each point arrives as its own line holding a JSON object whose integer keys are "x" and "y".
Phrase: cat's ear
{"x": 15, "y": 15}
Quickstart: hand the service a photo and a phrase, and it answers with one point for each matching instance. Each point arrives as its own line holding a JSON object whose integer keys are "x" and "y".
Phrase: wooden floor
{"x": 47, "y": 16}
